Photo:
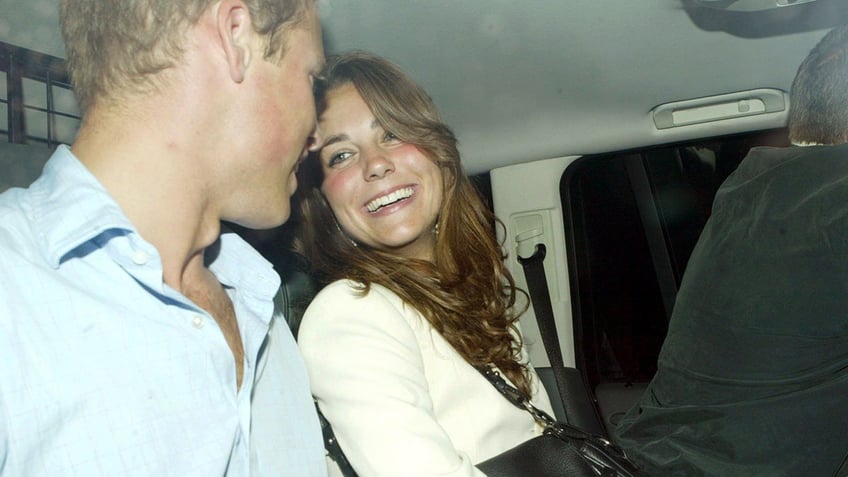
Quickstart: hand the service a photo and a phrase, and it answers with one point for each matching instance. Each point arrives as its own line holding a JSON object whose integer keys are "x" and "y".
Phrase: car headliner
{"x": 527, "y": 80}
{"x": 534, "y": 79}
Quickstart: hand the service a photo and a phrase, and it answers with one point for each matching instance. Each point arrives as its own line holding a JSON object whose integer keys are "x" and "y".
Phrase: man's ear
{"x": 235, "y": 30}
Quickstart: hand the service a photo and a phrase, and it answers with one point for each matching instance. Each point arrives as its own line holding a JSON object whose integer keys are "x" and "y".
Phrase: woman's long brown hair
{"x": 467, "y": 293}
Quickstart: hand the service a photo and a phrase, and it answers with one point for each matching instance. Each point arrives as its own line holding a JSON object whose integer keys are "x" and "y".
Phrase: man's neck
{"x": 148, "y": 171}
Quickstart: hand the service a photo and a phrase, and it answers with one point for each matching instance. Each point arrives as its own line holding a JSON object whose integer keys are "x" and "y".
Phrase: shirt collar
{"x": 239, "y": 265}
{"x": 69, "y": 207}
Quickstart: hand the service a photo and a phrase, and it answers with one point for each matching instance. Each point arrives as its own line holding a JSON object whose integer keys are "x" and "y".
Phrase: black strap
{"x": 537, "y": 287}
{"x": 540, "y": 295}
{"x": 578, "y": 408}
{"x": 598, "y": 455}
{"x": 331, "y": 444}
{"x": 514, "y": 396}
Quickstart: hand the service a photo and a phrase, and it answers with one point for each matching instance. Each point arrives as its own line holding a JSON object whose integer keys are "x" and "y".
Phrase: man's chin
{"x": 292, "y": 184}
{"x": 269, "y": 220}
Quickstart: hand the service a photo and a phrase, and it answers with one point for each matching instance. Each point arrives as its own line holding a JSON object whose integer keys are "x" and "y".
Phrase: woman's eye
{"x": 337, "y": 158}
{"x": 389, "y": 137}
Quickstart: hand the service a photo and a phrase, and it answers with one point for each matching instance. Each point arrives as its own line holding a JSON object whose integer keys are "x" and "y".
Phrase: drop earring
{"x": 339, "y": 228}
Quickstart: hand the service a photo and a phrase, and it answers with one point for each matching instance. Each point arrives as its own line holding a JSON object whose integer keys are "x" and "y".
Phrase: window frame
{"x": 17, "y": 64}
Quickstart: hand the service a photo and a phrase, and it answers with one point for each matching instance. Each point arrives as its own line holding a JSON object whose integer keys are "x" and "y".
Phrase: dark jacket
{"x": 752, "y": 379}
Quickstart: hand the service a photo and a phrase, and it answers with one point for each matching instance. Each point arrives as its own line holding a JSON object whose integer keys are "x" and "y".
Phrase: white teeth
{"x": 385, "y": 200}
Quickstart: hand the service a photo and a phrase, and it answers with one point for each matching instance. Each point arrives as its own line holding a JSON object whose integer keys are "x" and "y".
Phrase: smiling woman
{"x": 394, "y": 343}
{"x": 385, "y": 193}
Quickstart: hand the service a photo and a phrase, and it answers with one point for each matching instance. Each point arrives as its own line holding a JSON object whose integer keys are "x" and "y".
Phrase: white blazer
{"x": 401, "y": 400}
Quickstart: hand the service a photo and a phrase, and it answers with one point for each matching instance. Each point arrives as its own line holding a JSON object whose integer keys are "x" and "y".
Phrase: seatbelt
{"x": 653, "y": 231}
{"x": 578, "y": 409}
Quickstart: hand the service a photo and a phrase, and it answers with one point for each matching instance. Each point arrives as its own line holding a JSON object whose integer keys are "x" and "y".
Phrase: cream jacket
{"x": 401, "y": 400}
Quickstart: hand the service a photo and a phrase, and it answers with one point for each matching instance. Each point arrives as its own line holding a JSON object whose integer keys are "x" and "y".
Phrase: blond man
{"x": 136, "y": 339}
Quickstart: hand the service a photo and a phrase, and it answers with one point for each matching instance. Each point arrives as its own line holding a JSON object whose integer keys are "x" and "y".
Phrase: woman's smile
{"x": 398, "y": 195}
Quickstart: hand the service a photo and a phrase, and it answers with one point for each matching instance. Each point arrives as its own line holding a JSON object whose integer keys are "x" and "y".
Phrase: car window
{"x": 632, "y": 219}
{"x": 37, "y": 105}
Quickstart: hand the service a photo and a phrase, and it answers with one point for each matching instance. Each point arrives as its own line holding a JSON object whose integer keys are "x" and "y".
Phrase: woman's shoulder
{"x": 345, "y": 305}
{"x": 351, "y": 292}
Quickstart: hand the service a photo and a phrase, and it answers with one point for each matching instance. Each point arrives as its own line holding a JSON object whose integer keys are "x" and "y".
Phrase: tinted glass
{"x": 632, "y": 220}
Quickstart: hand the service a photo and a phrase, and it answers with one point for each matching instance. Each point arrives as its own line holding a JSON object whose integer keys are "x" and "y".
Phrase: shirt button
{"x": 139, "y": 257}
{"x": 197, "y": 321}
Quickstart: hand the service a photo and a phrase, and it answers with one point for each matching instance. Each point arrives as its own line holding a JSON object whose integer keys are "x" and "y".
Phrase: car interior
{"x": 598, "y": 128}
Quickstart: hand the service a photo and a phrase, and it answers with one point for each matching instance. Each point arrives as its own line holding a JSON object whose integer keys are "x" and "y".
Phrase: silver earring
{"x": 339, "y": 228}
{"x": 436, "y": 229}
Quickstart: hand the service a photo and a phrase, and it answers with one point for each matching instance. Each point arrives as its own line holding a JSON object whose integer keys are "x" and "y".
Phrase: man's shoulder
{"x": 25, "y": 193}
{"x": 781, "y": 176}
{"x": 780, "y": 161}
{"x": 17, "y": 235}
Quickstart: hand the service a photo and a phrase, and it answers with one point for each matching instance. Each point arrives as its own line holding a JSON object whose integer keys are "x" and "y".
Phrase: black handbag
{"x": 561, "y": 451}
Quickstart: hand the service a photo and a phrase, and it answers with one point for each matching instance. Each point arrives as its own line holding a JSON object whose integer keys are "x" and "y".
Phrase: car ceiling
{"x": 534, "y": 79}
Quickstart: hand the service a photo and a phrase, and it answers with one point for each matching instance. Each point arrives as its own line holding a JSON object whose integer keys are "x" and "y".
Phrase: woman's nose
{"x": 377, "y": 165}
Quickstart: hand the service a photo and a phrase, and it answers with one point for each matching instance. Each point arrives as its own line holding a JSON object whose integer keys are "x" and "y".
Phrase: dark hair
{"x": 819, "y": 99}
{"x": 467, "y": 293}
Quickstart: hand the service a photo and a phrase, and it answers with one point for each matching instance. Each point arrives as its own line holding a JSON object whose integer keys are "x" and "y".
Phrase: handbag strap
{"x": 519, "y": 400}
{"x": 563, "y": 430}
{"x": 331, "y": 445}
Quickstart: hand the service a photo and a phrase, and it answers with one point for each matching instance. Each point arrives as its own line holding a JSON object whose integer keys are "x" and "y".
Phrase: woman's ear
{"x": 235, "y": 30}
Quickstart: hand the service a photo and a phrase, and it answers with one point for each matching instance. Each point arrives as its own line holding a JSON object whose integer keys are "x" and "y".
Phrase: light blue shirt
{"x": 106, "y": 370}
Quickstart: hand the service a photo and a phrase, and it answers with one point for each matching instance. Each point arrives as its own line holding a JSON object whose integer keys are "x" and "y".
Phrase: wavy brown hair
{"x": 467, "y": 294}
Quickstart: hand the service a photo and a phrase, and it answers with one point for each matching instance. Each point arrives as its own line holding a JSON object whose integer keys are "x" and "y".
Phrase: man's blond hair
{"x": 117, "y": 47}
